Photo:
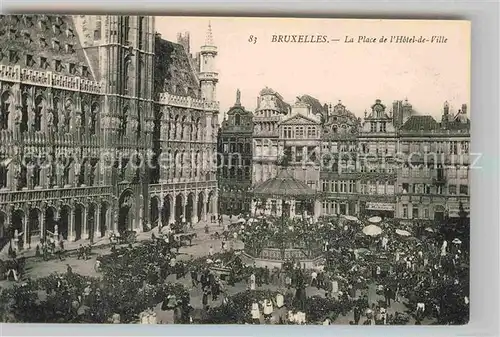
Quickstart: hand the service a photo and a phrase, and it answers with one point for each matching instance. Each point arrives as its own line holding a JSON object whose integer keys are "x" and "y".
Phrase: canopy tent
{"x": 350, "y": 218}
{"x": 372, "y": 230}
{"x": 284, "y": 186}
{"x": 375, "y": 219}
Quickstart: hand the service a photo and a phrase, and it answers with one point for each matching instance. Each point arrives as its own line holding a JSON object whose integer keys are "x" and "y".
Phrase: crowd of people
{"x": 359, "y": 278}
{"x": 415, "y": 266}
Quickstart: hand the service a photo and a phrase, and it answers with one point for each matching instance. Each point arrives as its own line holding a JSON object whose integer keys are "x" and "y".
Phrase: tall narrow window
{"x": 98, "y": 29}
{"x": 126, "y": 80}
{"x": 140, "y": 32}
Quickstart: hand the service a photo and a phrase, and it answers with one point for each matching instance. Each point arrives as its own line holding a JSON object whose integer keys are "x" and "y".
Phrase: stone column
{"x": 194, "y": 218}
{"x": 85, "y": 227}
{"x": 215, "y": 207}
{"x": 97, "y": 222}
{"x": 26, "y": 226}
{"x": 205, "y": 212}
{"x": 140, "y": 226}
{"x": 160, "y": 214}
{"x": 252, "y": 207}
{"x": 184, "y": 211}
{"x": 71, "y": 225}
{"x": 41, "y": 220}
{"x": 171, "y": 218}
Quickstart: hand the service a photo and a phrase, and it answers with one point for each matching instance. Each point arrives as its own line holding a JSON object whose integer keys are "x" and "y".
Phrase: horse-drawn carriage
{"x": 185, "y": 238}
{"x": 125, "y": 237}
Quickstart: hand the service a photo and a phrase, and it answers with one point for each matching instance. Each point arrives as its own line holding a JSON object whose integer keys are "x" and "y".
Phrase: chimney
{"x": 464, "y": 109}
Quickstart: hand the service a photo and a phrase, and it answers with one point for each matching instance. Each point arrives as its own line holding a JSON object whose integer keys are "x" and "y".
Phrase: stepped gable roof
{"x": 174, "y": 70}
{"x": 284, "y": 185}
{"x": 314, "y": 103}
{"x": 417, "y": 123}
{"x": 46, "y": 36}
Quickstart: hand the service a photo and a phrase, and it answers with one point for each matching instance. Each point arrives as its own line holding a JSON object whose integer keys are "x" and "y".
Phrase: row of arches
{"x": 183, "y": 128}
{"x": 186, "y": 164}
{"x": 72, "y": 223}
{"x": 95, "y": 220}
{"x": 39, "y": 114}
{"x": 192, "y": 208}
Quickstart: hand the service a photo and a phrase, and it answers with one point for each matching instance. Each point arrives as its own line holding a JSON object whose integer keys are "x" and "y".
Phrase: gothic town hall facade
{"x": 104, "y": 127}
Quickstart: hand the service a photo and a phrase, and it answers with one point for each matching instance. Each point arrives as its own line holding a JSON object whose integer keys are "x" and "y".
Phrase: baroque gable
{"x": 299, "y": 120}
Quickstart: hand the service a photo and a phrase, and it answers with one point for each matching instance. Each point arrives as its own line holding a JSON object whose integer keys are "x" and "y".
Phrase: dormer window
{"x": 58, "y": 21}
{"x": 69, "y": 32}
{"x": 56, "y": 45}
{"x": 43, "y": 42}
{"x": 55, "y": 28}
{"x": 12, "y": 56}
{"x": 28, "y": 20}
{"x": 85, "y": 71}
{"x": 57, "y": 65}
{"x": 69, "y": 48}
{"x": 44, "y": 64}
{"x": 26, "y": 37}
{"x": 12, "y": 33}
{"x": 72, "y": 68}
{"x": 30, "y": 62}
{"x": 42, "y": 25}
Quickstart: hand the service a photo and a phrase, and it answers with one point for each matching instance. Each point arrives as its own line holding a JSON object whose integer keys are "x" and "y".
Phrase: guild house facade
{"x": 235, "y": 159}
{"x": 84, "y": 101}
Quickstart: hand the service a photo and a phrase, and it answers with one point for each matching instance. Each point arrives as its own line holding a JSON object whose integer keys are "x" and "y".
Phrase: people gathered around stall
{"x": 365, "y": 271}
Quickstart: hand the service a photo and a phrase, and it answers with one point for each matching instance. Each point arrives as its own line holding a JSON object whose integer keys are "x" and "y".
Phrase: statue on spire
{"x": 209, "y": 40}
{"x": 238, "y": 97}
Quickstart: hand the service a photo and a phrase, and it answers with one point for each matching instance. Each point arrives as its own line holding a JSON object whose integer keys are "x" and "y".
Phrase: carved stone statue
{"x": 238, "y": 97}
{"x": 50, "y": 120}
{"x": 31, "y": 175}
{"x": 50, "y": 174}
{"x": 17, "y": 175}
{"x": 31, "y": 118}
{"x": 59, "y": 174}
{"x": 78, "y": 122}
{"x": 62, "y": 122}
{"x": 123, "y": 126}
{"x": 18, "y": 118}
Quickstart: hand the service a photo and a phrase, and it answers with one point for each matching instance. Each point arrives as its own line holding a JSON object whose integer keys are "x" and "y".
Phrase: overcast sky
{"x": 356, "y": 73}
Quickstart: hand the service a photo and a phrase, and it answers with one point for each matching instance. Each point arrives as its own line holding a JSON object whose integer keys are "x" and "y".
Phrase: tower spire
{"x": 209, "y": 41}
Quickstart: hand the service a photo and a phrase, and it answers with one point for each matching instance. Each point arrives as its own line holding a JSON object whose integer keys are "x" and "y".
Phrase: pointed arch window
{"x": 98, "y": 29}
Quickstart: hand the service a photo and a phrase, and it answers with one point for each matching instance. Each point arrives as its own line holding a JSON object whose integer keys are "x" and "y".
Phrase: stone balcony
{"x": 48, "y": 79}
{"x": 208, "y": 76}
{"x": 187, "y": 102}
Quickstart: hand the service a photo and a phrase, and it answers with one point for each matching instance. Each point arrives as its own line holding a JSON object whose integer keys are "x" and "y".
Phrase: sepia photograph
{"x": 234, "y": 170}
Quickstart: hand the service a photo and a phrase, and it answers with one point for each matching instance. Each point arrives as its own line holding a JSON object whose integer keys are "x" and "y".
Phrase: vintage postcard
{"x": 196, "y": 170}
